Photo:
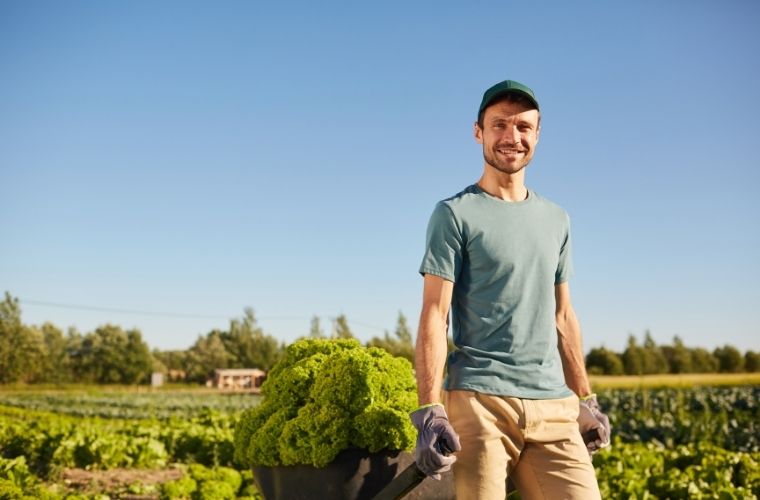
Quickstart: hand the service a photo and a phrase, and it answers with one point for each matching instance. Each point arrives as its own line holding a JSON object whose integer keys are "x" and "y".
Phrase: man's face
{"x": 509, "y": 136}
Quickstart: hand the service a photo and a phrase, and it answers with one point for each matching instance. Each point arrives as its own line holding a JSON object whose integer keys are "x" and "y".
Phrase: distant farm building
{"x": 238, "y": 379}
{"x": 176, "y": 375}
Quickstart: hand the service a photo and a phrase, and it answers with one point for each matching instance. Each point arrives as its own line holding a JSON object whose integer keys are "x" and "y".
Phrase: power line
{"x": 140, "y": 312}
{"x": 121, "y": 311}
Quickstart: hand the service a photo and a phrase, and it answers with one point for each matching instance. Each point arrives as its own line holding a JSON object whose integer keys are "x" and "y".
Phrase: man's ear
{"x": 478, "y": 133}
{"x": 538, "y": 132}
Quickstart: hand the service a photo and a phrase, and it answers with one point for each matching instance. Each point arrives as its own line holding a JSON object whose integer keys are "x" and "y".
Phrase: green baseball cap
{"x": 506, "y": 87}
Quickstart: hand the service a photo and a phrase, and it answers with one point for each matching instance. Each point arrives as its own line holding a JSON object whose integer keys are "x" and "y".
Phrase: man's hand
{"x": 436, "y": 439}
{"x": 591, "y": 418}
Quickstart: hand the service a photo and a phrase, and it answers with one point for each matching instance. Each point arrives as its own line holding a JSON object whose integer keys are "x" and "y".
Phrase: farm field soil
{"x": 117, "y": 480}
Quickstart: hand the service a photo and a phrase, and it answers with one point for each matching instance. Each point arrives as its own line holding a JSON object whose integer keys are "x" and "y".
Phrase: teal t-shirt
{"x": 504, "y": 259}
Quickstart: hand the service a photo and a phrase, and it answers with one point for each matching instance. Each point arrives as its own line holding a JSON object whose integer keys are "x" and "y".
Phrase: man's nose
{"x": 512, "y": 135}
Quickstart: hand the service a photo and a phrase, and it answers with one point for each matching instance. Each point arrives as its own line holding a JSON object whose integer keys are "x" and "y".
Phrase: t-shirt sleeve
{"x": 443, "y": 248}
{"x": 565, "y": 264}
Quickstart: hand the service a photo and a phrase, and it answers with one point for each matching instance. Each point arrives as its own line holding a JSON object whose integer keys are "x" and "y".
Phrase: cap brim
{"x": 504, "y": 92}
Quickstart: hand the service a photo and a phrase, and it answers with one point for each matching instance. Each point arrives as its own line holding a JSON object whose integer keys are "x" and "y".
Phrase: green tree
{"x": 403, "y": 333}
{"x": 172, "y": 360}
{"x": 206, "y": 355}
{"x": 21, "y": 347}
{"x": 729, "y": 359}
{"x": 316, "y": 331}
{"x": 401, "y": 344}
{"x": 137, "y": 362}
{"x": 174, "y": 363}
{"x": 248, "y": 346}
{"x": 56, "y": 368}
{"x": 12, "y": 366}
{"x": 109, "y": 355}
{"x": 702, "y": 361}
{"x": 678, "y": 356}
{"x": 103, "y": 350}
{"x": 74, "y": 360}
{"x": 633, "y": 357}
{"x": 341, "y": 329}
{"x": 752, "y": 361}
{"x": 653, "y": 359}
{"x": 601, "y": 361}
{"x": 10, "y": 330}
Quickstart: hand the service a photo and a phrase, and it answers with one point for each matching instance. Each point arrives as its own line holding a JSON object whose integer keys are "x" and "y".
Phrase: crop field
{"x": 682, "y": 443}
{"x": 95, "y": 444}
{"x": 125, "y": 405}
{"x": 669, "y": 442}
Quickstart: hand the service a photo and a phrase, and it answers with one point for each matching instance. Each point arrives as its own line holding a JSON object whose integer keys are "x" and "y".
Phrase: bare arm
{"x": 430, "y": 352}
{"x": 570, "y": 344}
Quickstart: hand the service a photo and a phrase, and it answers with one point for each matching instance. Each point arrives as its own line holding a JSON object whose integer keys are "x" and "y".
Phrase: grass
{"x": 672, "y": 380}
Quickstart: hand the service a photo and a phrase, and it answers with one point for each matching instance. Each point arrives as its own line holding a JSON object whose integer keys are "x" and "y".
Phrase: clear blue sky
{"x": 200, "y": 157}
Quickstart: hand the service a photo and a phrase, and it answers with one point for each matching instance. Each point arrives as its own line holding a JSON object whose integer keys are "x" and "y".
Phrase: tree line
{"x": 112, "y": 355}
{"x": 649, "y": 358}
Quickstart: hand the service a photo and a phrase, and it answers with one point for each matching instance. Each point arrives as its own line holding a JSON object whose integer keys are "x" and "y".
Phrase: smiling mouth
{"x": 510, "y": 151}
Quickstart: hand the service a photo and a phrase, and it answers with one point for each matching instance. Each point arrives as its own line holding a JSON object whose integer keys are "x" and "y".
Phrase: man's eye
{"x": 499, "y": 126}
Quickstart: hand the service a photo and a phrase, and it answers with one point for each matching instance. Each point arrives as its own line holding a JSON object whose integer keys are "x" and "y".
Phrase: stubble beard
{"x": 506, "y": 167}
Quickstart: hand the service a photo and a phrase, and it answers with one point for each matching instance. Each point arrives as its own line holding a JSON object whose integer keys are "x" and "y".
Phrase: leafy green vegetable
{"x": 17, "y": 482}
{"x": 326, "y": 396}
{"x": 728, "y": 417}
{"x": 649, "y": 470}
{"x": 179, "y": 489}
{"x": 49, "y": 442}
{"x": 130, "y": 405}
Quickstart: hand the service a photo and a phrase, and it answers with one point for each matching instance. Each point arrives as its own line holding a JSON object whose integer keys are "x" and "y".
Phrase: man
{"x": 498, "y": 255}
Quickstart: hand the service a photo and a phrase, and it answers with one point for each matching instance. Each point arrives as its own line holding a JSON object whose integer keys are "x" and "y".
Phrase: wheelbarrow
{"x": 356, "y": 474}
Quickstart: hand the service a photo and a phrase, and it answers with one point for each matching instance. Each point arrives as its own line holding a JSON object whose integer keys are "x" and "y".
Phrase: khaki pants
{"x": 536, "y": 442}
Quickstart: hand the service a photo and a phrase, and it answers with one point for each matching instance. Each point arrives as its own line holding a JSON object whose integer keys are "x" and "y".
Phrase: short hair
{"x": 515, "y": 97}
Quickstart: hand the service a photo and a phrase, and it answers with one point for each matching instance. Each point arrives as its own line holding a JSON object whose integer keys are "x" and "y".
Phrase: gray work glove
{"x": 436, "y": 439}
{"x": 590, "y": 419}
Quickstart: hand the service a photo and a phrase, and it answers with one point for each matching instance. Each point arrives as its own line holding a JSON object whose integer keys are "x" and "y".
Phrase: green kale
{"x": 326, "y": 396}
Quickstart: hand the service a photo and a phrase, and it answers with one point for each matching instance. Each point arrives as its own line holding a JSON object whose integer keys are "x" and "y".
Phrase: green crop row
{"x": 125, "y": 405}
{"x": 728, "y": 417}
{"x": 697, "y": 471}
{"x": 197, "y": 483}
{"x": 51, "y": 441}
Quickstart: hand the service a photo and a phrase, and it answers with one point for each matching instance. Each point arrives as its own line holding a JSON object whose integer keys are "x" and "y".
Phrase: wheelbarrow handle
{"x": 402, "y": 484}
{"x": 590, "y": 435}
{"x": 409, "y": 478}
